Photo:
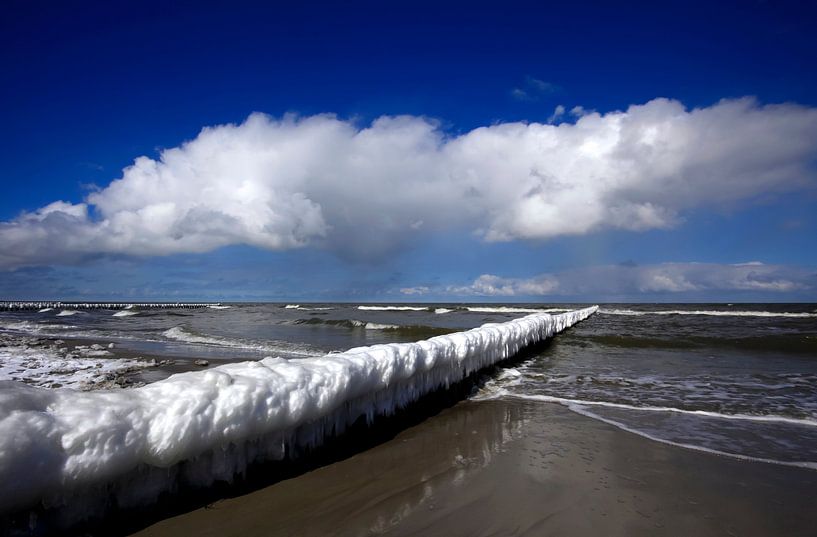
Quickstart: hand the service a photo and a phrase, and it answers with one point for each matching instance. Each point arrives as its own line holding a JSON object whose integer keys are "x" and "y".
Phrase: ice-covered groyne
{"x": 38, "y": 305}
{"x": 79, "y": 453}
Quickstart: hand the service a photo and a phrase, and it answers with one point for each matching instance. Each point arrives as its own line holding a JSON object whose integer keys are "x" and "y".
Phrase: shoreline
{"x": 503, "y": 467}
{"x": 241, "y": 420}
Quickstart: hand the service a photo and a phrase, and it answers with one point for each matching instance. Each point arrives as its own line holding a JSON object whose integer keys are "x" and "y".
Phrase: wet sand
{"x": 519, "y": 468}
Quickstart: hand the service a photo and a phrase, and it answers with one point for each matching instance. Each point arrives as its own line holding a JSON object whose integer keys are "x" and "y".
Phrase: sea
{"x": 738, "y": 380}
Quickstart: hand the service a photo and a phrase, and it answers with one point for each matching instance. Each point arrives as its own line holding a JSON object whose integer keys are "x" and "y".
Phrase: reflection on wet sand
{"x": 517, "y": 468}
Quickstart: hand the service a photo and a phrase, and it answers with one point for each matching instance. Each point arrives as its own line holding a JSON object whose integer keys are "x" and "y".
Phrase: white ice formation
{"x": 77, "y": 452}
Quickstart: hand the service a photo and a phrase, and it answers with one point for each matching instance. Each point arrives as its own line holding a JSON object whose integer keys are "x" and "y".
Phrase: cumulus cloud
{"x": 363, "y": 191}
{"x": 630, "y": 280}
{"x": 558, "y": 113}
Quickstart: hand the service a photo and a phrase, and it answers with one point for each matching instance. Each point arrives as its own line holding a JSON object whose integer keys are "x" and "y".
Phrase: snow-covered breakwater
{"x": 77, "y": 453}
{"x": 38, "y": 305}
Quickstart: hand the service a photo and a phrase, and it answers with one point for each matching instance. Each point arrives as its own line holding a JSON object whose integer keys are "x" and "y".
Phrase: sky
{"x": 409, "y": 151}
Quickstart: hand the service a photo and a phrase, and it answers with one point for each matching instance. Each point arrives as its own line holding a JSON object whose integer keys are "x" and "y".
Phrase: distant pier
{"x": 39, "y": 305}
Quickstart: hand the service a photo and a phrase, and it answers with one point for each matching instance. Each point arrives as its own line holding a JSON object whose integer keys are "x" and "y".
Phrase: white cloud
{"x": 557, "y": 114}
{"x": 633, "y": 280}
{"x": 533, "y": 89}
{"x": 325, "y": 182}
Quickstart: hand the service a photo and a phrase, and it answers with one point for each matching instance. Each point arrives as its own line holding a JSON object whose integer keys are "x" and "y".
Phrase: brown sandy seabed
{"x": 518, "y": 468}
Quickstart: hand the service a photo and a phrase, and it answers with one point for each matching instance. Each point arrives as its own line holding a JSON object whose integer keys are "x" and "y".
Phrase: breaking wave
{"x": 582, "y": 406}
{"x": 408, "y": 330}
{"x": 498, "y": 309}
{"x": 510, "y": 309}
{"x": 33, "y": 328}
{"x": 125, "y": 313}
{"x": 704, "y": 413}
{"x": 579, "y": 409}
{"x": 393, "y": 308}
{"x": 180, "y": 333}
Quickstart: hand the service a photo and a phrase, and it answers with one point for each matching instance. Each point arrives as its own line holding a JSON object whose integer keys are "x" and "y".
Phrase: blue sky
{"x": 87, "y": 89}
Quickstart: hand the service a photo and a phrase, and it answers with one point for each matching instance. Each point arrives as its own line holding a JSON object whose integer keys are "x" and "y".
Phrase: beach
{"x": 457, "y": 270}
{"x": 640, "y": 419}
{"x": 519, "y": 468}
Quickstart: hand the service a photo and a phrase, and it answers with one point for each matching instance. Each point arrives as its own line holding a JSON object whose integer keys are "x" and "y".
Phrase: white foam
{"x": 92, "y": 449}
{"x": 509, "y": 309}
{"x": 714, "y": 313}
{"x": 392, "y": 308}
{"x": 579, "y": 409}
{"x": 305, "y": 308}
{"x": 440, "y": 311}
{"x": 125, "y": 313}
{"x": 380, "y": 326}
{"x": 703, "y": 413}
{"x": 67, "y": 313}
{"x": 22, "y": 326}
{"x": 33, "y": 328}
{"x": 217, "y": 307}
{"x": 45, "y": 310}
{"x": 45, "y": 368}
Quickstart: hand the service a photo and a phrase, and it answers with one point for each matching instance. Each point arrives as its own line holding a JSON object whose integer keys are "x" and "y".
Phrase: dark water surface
{"x": 739, "y": 379}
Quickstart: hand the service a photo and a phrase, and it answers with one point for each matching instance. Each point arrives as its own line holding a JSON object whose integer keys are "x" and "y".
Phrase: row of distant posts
{"x": 12, "y": 306}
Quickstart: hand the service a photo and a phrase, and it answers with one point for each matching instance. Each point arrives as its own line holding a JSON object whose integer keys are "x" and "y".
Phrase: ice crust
{"x": 82, "y": 452}
{"x": 83, "y": 368}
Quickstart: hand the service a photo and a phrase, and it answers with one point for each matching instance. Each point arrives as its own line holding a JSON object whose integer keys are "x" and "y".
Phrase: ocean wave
{"x": 125, "y": 313}
{"x": 768, "y": 342}
{"x": 504, "y": 393}
{"x": 45, "y": 310}
{"x": 347, "y": 323}
{"x": 579, "y": 409}
{"x": 409, "y": 330}
{"x": 582, "y": 406}
{"x": 67, "y": 313}
{"x": 393, "y": 308}
{"x": 381, "y": 326}
{"x": 33, "y": 328}
{"x": 181, "y": 334}
{"x": 217, "y": 307}
{"x": 511, "y": 309}
{"x": 715, "y": 313}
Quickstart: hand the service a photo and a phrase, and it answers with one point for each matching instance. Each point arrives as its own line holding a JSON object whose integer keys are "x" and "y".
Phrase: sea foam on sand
{"x": 78, "y": 453}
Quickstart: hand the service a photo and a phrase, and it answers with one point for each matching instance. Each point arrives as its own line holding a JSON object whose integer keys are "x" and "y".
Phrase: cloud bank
{"x": 364, "y": 191}
{"x": 626, "y": 279}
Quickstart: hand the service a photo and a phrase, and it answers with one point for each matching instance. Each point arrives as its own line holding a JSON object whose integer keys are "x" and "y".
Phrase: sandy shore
{"x": 518, "y": 468}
